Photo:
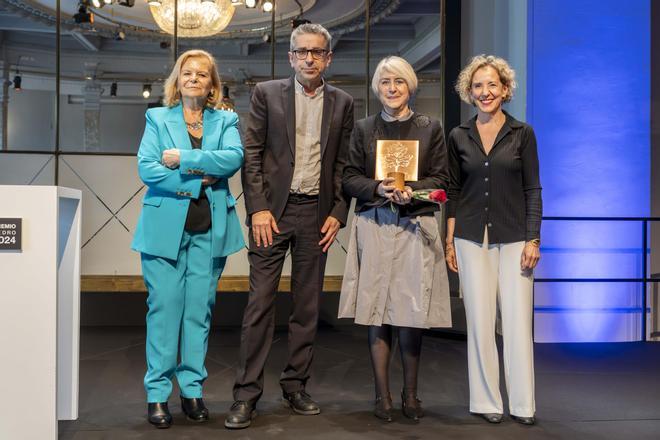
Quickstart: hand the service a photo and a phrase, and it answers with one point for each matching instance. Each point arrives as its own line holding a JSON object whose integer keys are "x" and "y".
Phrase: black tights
{"x": 380, "y": 345}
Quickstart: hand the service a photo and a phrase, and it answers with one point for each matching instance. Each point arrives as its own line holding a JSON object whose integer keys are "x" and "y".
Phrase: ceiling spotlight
{"x": 154, "y": 3}
{"x": 236, "y": 2}
{"x": 299, "y": 21}
{"x": 113, "y": 89}
{"x": 267, "y": 6}
{"x": 146, "y": 91}
{"x": 107, "y": 2}
{"x": 250, "y": 4}
{"x": 96, "y": 3}
{"x": 17, "y": 82}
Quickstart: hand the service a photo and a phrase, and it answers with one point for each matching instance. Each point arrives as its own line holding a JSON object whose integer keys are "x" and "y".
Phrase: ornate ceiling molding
{"x": 339, "y": 26}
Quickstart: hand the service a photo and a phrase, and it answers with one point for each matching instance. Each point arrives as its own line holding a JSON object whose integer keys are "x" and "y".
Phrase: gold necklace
{"x": 197, "y": 125}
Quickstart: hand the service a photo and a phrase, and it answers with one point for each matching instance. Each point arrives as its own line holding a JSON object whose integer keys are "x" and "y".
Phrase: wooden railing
{"x": 135, "y": 284}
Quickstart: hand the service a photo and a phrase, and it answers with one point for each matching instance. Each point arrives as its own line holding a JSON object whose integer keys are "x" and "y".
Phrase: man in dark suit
{"x": 296, "y": 140}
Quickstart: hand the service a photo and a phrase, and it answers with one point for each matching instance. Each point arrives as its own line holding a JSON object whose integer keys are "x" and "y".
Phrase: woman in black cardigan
{"x": 395, "y": 274}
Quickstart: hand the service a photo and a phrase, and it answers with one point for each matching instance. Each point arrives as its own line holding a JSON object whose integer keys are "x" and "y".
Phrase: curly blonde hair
{"x": 171, "y": 87}
{"x": 505, "y": 72}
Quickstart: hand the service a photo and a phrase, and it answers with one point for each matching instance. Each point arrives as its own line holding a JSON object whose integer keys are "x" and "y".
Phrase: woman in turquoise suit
{"x": 187, "y": 228}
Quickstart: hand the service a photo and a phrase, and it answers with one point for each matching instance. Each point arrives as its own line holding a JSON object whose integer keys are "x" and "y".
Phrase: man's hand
{"x": 171, "y": 158}
{"x": 263, "y": 226}
{"x": 329, "y": 231}
{"x": 209, "y": 180}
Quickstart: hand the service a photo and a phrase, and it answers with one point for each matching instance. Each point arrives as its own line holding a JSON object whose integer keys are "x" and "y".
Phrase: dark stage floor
{"x": 584, "y": 391}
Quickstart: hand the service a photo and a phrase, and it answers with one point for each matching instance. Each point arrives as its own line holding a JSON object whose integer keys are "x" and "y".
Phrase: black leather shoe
{"x": 411, "y": 406}
{"x": 301, "y": 403}
{"x": 383, "y": 408}
{"x": 159, "y": 415}
{"x": 524, "y": 420}
{"x": 490, "y": 417}
{"x": 240, "y": 415}
{"x": 194, "y": 409}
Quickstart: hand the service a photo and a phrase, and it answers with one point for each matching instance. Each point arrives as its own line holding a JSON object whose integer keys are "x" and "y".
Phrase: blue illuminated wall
{"x": 588, "y": 98}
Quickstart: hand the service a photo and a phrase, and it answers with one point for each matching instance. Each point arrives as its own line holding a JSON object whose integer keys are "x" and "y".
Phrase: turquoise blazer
{"x": 165, "y": 204}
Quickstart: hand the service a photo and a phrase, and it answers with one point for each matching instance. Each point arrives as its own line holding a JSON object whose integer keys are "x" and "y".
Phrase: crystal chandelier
{"x": 196, "y": 18}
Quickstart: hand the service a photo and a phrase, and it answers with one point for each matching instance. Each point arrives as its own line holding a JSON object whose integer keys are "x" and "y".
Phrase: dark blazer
{"x": 360, "y": 171}
{"x": 270, "y": 140}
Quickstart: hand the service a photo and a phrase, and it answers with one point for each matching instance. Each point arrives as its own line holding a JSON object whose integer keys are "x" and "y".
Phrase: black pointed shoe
{"x": 159, "y": 415}
{"x": 490, "y": 417}
{"x": 411, "y": 406}
{"x": 194, "y": 409}
{"x": 383, "y": 408}
{"x": 240, "y": 415}
{"x": 301, "y": 403}
{"x": 524, "y": 420}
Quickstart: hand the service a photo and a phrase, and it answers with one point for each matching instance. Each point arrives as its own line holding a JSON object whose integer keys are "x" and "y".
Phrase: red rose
{"x": 438, "y": 196}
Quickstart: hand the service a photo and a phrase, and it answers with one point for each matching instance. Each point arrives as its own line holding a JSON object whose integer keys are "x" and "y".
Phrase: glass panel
{"x": 411, "y": 31}
{"x": 106, "y": 66}
{"x": 348, "y": 72}
{"x": 28, "y": 69}
{"x": 243, "y": 54}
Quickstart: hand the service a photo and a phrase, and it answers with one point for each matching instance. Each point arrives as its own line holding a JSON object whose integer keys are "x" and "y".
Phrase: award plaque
{"x": 398, "y": 159}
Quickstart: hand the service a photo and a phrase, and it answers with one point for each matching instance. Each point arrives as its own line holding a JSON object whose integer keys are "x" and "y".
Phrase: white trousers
{"x": 490, "y": 274}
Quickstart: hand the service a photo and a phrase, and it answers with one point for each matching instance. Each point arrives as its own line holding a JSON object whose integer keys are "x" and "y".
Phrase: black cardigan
{"x": 432, "y": 171}
{"x": 500, "y": 190}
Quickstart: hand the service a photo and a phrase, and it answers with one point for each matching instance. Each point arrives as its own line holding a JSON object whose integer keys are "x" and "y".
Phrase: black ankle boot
{"x": 194, "y": 409}
{"x": 159, "y": 415}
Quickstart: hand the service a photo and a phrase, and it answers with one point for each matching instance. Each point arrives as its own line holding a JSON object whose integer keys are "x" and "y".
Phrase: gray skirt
{"x": 395, "y": 271}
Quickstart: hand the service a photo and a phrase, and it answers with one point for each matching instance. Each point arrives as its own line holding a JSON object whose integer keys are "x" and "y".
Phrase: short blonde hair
{"x": 505, "y": 72}
{"x": 171, "y": 88}
{"x": 397, "y": 66}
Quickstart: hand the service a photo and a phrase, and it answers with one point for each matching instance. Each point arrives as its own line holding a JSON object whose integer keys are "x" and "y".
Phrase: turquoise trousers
{"x": 181, "y": 298}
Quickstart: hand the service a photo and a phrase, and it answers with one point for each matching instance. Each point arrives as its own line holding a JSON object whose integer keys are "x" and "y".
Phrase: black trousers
{"x": 300, "y": 232}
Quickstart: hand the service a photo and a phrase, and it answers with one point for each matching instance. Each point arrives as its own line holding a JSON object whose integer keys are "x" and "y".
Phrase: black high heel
{"x": 381, "y": 411}
{"x": 411, "y": 406}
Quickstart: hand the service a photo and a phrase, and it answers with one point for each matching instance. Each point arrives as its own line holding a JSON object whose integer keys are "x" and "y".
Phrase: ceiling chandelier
{"x": 196, "y": 18}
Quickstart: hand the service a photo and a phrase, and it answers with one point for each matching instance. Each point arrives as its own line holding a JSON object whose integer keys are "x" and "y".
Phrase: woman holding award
{"x": 493, "y": 233}
{"x": 395, "y": 274}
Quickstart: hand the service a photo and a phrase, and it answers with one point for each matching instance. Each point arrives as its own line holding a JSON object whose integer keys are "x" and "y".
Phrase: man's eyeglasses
{"x": 317, "y": 54}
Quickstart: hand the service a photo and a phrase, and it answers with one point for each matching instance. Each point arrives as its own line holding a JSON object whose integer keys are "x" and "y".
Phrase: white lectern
{"x": 40, "y": 312}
